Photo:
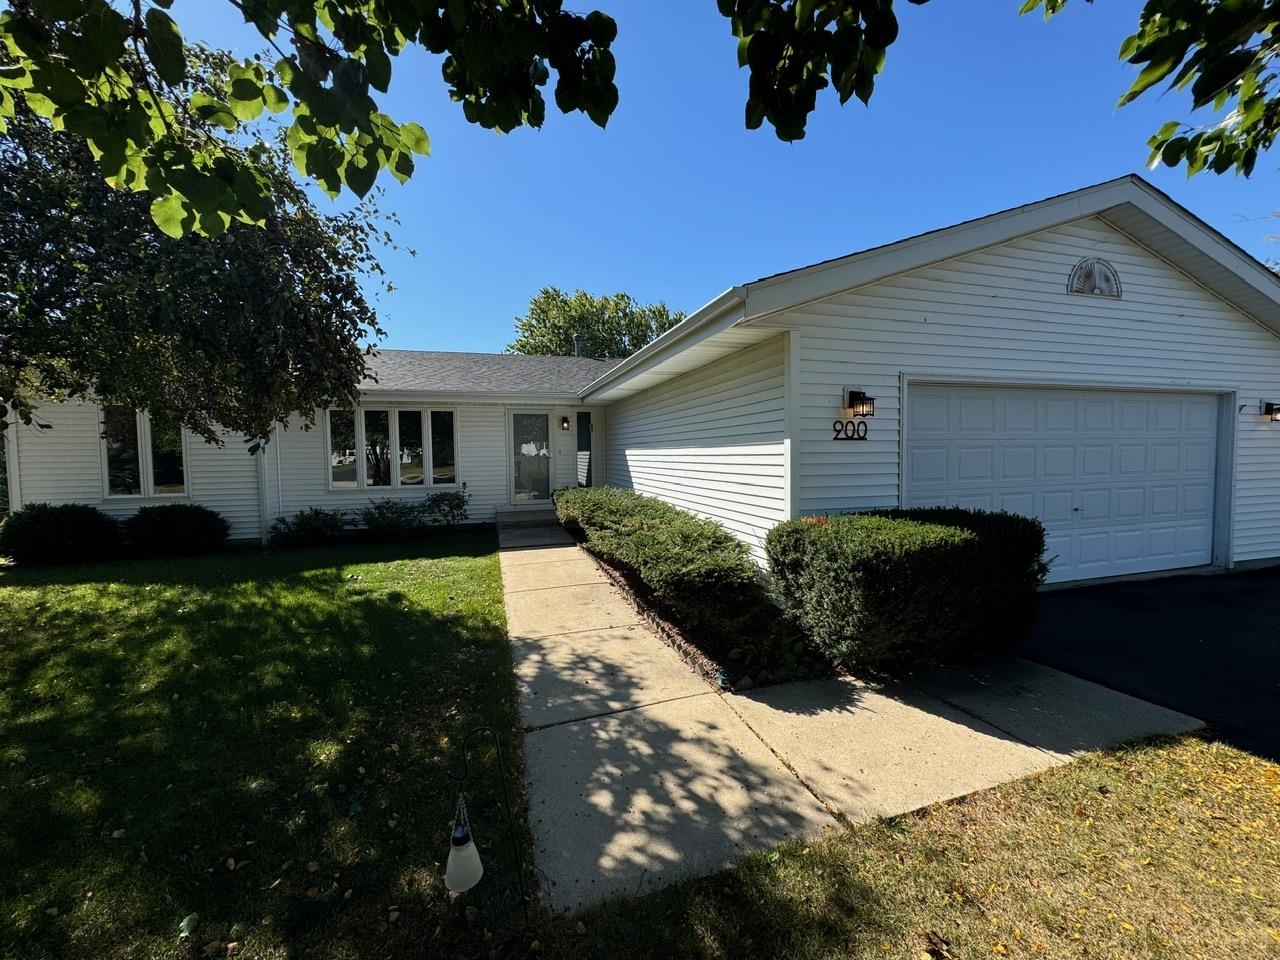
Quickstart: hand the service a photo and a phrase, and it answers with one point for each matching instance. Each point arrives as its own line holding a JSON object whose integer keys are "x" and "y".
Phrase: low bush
{"x": 449, "y": 507}
{"x": 175, "y": 530}
{"x": 909, "y": 587}
{"x": 42, "y": 533}
{"x": 312, "y": 527}
{"x": 697, "y": 574}
{"x": 388, "y": 521}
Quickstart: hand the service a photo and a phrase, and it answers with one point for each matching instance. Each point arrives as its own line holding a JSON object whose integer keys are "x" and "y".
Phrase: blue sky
{"x": 978, "y": 110}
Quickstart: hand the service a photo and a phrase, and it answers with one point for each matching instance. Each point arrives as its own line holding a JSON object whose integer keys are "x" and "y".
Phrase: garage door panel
{"x": 1197, "y": 458}
{"x": 1019, "y": 415}
{"x": 1017, "y": 462}
{"x": 1123, "y": 482}
{"x": 1131, "y": 503}
{"x": 927, "y": 465}
{"x": 977, "y": 416}
{"x": 1097, "y": 461}
{"x": 1059, "y": 463}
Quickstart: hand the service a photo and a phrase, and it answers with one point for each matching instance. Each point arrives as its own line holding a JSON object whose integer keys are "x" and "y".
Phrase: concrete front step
{"x": 520, "y": 519}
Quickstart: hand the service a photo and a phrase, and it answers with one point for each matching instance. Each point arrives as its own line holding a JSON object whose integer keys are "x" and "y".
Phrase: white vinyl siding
{"x": 711, "y": 442}
{"x": 65, "y": 464}
{"x": 1003, "y": 316}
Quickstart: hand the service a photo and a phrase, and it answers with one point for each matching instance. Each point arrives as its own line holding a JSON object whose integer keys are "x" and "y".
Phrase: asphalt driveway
{"x": 1204, "y": 645}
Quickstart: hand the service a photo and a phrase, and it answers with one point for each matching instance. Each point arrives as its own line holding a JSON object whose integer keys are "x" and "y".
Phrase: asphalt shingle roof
{"x": 436, "y": 370}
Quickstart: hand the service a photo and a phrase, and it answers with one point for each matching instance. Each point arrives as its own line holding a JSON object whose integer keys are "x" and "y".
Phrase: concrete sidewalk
{"x": 638, "y": 773}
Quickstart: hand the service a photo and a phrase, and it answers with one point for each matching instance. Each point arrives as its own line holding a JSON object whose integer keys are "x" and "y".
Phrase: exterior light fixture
{"x": 858, "y": 404}
{"x": 564, "y": 423}
{"x": 1270, "y": 410}
{"x": 463, "y": 869}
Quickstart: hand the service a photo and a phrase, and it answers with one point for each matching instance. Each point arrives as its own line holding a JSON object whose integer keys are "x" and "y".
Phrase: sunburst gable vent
{"x": 1095, "y": 277}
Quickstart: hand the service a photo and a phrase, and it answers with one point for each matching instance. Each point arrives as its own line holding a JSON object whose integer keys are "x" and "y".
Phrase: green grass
{"x": 263, "y": 740}
{"x": 1166, "y": 849}
{"x": 266, "y": 740}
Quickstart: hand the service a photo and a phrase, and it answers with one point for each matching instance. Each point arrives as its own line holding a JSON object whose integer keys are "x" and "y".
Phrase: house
{"x": 1102, "y": 360}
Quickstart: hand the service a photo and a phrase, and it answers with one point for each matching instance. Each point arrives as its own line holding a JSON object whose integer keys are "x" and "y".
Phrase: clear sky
{"x": 978, "y": 110}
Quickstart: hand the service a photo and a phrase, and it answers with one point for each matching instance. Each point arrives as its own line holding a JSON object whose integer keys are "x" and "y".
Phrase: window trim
{"x": 146, "y": 461}
{"x": 393, "y": 412}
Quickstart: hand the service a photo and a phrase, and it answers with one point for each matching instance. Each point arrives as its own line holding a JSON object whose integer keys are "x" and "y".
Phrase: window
{"x": 377, "y": 448}
{"x": 342, "y": 448}
{"x": 409, "y": 423}
{"x": 143, "y": 457}
{"x": 120, "y": 433}
{"x": 400, "y": 447}
{"x": 443, "y": 454}
{"x": 168, "y": 472}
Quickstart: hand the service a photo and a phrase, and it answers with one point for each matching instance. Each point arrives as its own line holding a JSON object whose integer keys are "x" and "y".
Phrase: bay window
{"x": 391, "y": 447}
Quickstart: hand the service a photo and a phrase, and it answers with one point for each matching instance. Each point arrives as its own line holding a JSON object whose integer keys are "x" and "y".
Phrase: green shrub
{"x": 312, "y": 527}
{"x": 908, "y": 587}
{"x": 448, "y": 507}
{"x": 175, "y": 530}
{"x": 43, "y": 533}
{"x": 388, "y": 521}
{"x": 694, "y": 571}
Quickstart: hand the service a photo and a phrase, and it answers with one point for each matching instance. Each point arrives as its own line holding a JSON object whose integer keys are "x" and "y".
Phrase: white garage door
{"x": 1123, "y": 482}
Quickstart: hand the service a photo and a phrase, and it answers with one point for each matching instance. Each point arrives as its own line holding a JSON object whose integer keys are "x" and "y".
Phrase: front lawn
{"x": 1167, "y": 849}
{"x": 262, "y": 740}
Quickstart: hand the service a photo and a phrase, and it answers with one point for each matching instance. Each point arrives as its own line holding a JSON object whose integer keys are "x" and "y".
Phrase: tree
{"x": 609, "y": 326}
{"x": 238, "y": 331}
{"x": 112, "y": 77}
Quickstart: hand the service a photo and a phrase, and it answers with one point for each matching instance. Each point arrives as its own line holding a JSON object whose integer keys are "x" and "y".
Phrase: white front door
{"x": 1123, "y": 481}
{"x": 530, "y": 458}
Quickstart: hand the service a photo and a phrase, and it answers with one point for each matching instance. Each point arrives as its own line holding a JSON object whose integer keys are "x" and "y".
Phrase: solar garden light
{"x": 463, "y": 869}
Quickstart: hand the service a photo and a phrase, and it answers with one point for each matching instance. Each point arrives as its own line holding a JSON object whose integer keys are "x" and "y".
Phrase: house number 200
{"x": 849, "y": 429}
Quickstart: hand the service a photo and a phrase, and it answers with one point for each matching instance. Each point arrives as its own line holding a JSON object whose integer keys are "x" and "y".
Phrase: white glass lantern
{"x": 463, "y": 869}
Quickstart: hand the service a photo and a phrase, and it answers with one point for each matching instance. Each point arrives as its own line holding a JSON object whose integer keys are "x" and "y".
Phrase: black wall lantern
{"x": 564, "y": 423}
{"x": 858, "y": 404}
{"x": 1270, "y": 410}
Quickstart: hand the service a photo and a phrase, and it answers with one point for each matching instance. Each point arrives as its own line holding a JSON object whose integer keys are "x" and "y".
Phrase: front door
{"x": 531, "y": 458}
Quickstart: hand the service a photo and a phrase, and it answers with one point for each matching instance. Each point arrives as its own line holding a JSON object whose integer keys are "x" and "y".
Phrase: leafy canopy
{"x": 107, "y": 71}
{"x": 235, "y": 331}
{"x": 1221, "y": 51}
{"x": 608, "y": 326}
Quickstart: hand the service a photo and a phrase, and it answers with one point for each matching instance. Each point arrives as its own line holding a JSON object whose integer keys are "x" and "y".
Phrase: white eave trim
{"x": 723, "y": 312}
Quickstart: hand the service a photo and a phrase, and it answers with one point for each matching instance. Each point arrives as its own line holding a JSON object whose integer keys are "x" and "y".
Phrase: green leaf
{"x": 359, "y": 175}
{"x": 163, "y": 44}
{"x": 415, "y": 138}
{"x": 245, "y": 98}
{"x": 274, "y": 98}
{"x": 378, "y": 66}
{"x": 171, "y": 215}
{"x": 214, "y": 111}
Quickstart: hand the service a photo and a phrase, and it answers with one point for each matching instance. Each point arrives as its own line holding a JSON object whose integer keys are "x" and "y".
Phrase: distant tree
{"x": 608, "y": 326}
{"x": 239, "y": 330}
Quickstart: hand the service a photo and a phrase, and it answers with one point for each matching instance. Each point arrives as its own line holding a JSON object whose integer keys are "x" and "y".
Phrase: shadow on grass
{"x": 263, "y": 740}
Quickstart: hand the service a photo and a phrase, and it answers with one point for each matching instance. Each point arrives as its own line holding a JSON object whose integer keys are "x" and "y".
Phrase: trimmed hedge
{"x": 42, "y": 534}
{"x": 908, "y": 587}
{"x": 176, "y": 530}
{"x": 697, "y": 573}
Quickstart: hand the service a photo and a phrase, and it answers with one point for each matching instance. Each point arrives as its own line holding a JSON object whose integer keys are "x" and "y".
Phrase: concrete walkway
{"x": 638, "y": 773}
